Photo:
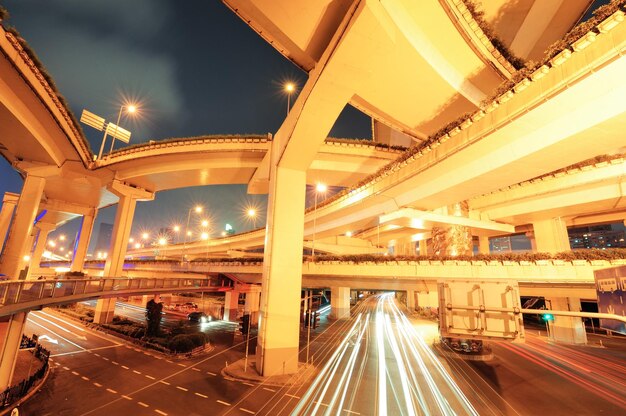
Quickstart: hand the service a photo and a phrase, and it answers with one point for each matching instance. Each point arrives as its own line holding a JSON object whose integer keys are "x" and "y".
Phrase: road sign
{"x": 611, "y": 293}
{"x": 480, "y": 309}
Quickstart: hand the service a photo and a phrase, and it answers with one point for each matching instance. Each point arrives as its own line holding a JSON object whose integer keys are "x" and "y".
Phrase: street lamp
{"x": 197, "y": 209}
{"x": 252, "y": 215}
{"x": 114, "y": 130}
{"x": 176, "y": 229}
{"x": 290, "y": 87}
{"x": 320, "y": 188}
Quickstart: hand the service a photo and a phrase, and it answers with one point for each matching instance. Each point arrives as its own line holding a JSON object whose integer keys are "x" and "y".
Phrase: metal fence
{"x": 14, "y": 393}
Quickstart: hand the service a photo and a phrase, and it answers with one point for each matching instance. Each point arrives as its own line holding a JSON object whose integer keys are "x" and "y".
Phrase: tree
{"x": 153, "y": 317}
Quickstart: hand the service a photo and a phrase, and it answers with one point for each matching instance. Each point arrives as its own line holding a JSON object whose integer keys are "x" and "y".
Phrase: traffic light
{"x": 244, "y": 324}
{"x": 316, "y": 320}
{"x": 547, "y": 317}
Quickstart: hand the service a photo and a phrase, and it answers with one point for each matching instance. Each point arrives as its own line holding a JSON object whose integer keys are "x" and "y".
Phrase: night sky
{"x": 194, "y": 67}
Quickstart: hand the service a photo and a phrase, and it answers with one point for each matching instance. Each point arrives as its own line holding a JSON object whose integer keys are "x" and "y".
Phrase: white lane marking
{"x": 321, "y": 404}
{"x": 224, "y": 403}
{"x": 84, "y": 350}
{"x": 111, "y": 391}
{"x": 210, "y": 373}
{"x": 75, "y": 373}
{"x": 97, "y": 384}
{"x": 115, "y": 363}
{"x": 58, "y": 319}
{"x": 182, "y": 365}
{"x": 291, "y": 395}
{"x": 201, "y": 395}
{"x": 54, "y": 333}
{"x": 85, "y": 378}
{"x": 81, "y": 337}
{"x": 150, "y": 377}
{"x": 105, "y": 358}
{"x": 196, "y": 369}
{"x": 125, "y": 368}
{"x": 249, "y": 384}
{"x": 182, "y": 388}
{"x": 136, "y": 372}
{"x": 164, "y": 382}
{"x": 92, "y": 333}
{"x": 350, "y": 411}
{"x": 65, "y": 368}
{"x": 168, "y": 361}
{"x": 273, "y": 391}
{"x": 126, "y": 397}
{"x": 160, "y": 412}
{"x": 96, "y": 354}
{"x": 247, "y": 411}
{"x": 142, "y": 404}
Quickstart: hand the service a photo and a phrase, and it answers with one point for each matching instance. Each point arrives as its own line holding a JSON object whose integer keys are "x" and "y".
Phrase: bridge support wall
{"x": 80, "y": 249}
{"x": 279, "y": 326}
{"x": 570, "y": 330}
{"x": 11, "y": 330}
{"x": 253, "y": 298}
{"x": 551, "y": 235}
{"x": 44, "y": 229}
{"x": 17, "y": 244}
{"x": 9, "y": 202}
{"x": 231, "y": 306}
{"x": 339, "y": 302}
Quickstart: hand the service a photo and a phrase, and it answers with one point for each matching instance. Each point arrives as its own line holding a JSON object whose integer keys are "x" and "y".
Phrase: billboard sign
{"x": 611, "y": 292}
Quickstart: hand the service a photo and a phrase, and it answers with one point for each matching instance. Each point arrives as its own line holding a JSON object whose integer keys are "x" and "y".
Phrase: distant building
{"x": 597, "y": 236}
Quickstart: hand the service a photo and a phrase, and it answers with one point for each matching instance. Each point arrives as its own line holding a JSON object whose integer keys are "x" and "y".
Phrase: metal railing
{"x": 19, "y": 295}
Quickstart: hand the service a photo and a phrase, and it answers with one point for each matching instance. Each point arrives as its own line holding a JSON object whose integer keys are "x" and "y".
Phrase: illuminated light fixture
{"x": 189, "y": 233}
{"x": 47, "y": 254}
{"x": 52, "y": 243}
{"x": 205, "y": 223}
{"x": 176, "y": 228}
{"x": 223, "y": 233}
{"x": 321, "y": 187}
{"x": 26, "y": 258}
{"x": 145, "y": 236}
{"x": 204, "y": 236}
{"x": 137, "y": 245}
{"x": 290, "y": 87}
{"x": 62, "y": 237}
{"x": 131, "y": 240}
{"x": 348, "y": 233}
{"x": 198, "y": 209}
{"x": 162, "y": 241}
{"x": 61, "y": 248}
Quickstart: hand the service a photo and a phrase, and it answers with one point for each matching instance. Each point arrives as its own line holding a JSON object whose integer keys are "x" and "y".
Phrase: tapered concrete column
{"x": 42, "y": 239}
{"x": 428, "y": 299}
{"x": 114, "y": 265}
{"x": 551, "y": 235}
{"x": 11, "y": 330}
{"x": 253, "y": 298}
{"x": 9, "y": 202}
{"x": 483, "y": 244}
{"x": 279, "y": 322}
{"x": 339, "y": 302}
{"x": 410, "y": 300}
{"x": 19, "y": 236}
{"x": 423, "y": 247}
{"x": 566, "y": 329}
{"x": 231, "y": 306}
{"x": 82, "y": 242}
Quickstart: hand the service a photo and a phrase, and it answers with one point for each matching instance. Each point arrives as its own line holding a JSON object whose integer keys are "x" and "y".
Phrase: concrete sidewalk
{"x": 236, "y": 371}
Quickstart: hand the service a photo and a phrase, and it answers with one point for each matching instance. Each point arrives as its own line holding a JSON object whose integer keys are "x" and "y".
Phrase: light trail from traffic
{"x": 410, "y": 379}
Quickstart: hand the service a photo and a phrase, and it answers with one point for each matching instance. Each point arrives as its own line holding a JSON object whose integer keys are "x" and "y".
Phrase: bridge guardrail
{"x": 22, "y": 291}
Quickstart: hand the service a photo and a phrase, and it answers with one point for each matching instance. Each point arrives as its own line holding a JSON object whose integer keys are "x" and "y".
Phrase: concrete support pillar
{"x": 339, "y": 302}
{"x": 11, "y": 330}
{"x": 17, "y": 244}
{"x": 119, "y": 240}
{"x": 42, "y": 240}
{"x": 231, "y": 306}
{"x": 9, "y": 202}
{"x": 82, "y": 242}
{"x": 453, "y": 240}
{"x": 567, "y": 329}
{"x": 551, "y": 235}
{"x": 428, "y": 299}
{"x": 423, "y": 247}
{"x": 483, "y": 244}
{"x": 279, "y": 322}
{"x": 410, "y": 300}
{"x": 253, "y": 298}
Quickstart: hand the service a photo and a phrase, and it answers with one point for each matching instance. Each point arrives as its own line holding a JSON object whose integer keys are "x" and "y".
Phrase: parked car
{"x": 199, "y": 317}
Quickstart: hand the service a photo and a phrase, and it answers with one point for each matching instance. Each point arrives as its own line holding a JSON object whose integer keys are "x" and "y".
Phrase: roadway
{"x": 97, "y": 374}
